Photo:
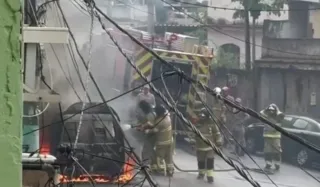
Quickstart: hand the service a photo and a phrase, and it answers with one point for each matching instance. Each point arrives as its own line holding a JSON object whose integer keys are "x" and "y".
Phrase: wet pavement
{"x": 289, "y": 176}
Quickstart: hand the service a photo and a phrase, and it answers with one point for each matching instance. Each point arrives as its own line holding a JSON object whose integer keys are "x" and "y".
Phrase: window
{"x": 85, "y": 133}
{"x": 104, "y": 131}
{"x": 313, "y": 127}
{"x": 300, "y": 124}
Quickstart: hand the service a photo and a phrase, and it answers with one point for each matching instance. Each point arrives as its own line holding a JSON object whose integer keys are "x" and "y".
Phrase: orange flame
{"x": 125, "y": 177}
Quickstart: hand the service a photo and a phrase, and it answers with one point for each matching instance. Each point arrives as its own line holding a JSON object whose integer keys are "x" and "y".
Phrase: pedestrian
{"x": 205, "y": 153}
{"x": 162, "y": 131}
{"x": 272, "y": 137}
{"x": 145, "y": 95}
{"x": 238, "y": 129}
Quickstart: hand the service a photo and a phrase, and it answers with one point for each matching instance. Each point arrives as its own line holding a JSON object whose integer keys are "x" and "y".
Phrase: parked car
{"x": 304, "y": 127}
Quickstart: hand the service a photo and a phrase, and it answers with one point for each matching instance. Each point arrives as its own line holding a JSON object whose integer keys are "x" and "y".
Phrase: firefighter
{"x": 272, "y": 137}
{"x": 227, "y": 116}
{"x": 205, "y": 154}
{"x": 238, "y": 129}
{"x": 145, "y": 95}
{"x": 146, "y": 119}
{"x": 162, "y": 131}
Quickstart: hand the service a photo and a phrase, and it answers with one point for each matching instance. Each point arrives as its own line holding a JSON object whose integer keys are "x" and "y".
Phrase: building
{"x": 288, "y": 71}
{"x": 233, "y": 34}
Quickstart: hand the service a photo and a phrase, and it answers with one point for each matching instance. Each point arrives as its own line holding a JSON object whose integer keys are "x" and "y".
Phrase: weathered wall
{"x": 239, "y": 81}
{"x": 315, "y": 20}
{"x": 291, "y": 48}
{"x": 281, "y": 29}
{"x": 291, "y": 90}
{"x": 11, "y": 93}
{"x": 217, "y": 39}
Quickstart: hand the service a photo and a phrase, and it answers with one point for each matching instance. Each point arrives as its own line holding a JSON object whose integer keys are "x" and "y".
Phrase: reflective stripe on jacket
{"x": 268, "y": 131}
{"x": 163, "y": 130}
{"x": 210, "y": 131}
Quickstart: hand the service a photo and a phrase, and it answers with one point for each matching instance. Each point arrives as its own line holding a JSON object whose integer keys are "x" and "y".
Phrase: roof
{"x": 91, "y": 108}
{"x": 304, "y": 118}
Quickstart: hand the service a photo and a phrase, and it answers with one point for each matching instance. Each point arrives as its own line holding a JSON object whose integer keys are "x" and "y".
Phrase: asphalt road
{"x": 289, "y": 176}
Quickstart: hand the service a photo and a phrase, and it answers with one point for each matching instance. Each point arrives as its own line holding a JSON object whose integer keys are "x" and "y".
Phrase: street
{"x": 289, "y": 176}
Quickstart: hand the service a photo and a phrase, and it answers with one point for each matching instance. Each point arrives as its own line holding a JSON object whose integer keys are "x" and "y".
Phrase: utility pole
{"x": 151, "y": 16}
{"x": 253, "y": 39}
{"x": 11, "y": 94}
{"x": 247, "y": 34}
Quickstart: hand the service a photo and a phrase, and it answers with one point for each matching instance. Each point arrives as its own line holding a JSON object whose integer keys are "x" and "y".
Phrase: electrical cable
{"x": 220, "y": 125}
{"x": 81, "y": 82}
{"x": 50, "y": 70}
{"x": 211, "y": 91}
{"x": 236, "y": 38}
{"x": 175, "y": 104}
{"x": 178, "y": 113}
{"x": 239, "y": 9}
{"x": 88, "y": 68}
{"x": 112, "y": 99}
{"x": 116, "y": 119}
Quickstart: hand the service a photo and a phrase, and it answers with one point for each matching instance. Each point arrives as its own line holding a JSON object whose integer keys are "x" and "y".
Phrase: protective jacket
{"x": 219, "y": 110}
{"x": 270, "y": 132}
{"x": 210, "y": 131}
{"x": 163, "y": 130}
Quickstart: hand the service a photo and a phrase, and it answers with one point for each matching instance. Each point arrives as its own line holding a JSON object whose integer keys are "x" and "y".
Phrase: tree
{"x": 225, "y": 59}
{"x": 257, "y": 6}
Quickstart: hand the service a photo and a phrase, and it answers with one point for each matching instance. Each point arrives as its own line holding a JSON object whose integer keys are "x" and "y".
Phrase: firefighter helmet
{"x": 145, "y": 106}
{"x": 160, "y": 110}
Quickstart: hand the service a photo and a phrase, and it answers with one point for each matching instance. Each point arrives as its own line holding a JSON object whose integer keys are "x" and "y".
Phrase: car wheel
{"x": 301, "y": 157}
{"x": 250, "y": 145}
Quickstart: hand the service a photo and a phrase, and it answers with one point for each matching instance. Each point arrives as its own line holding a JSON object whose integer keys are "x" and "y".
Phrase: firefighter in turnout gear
{"x": 146, "y": 118}
{"x": 162, "y": 131}
{"x": 272, "y": 137}
{"x": 205, "y": 154}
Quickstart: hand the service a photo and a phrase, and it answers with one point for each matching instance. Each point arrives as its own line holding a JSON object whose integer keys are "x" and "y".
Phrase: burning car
{"x": 100, "y": 147}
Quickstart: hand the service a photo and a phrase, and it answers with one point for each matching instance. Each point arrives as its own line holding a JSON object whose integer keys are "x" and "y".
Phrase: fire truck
{"x": 180, "y": 50}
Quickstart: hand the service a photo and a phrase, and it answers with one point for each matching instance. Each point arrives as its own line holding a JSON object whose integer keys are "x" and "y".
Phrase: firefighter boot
{"x": 210, "y": 167}
{"x": 201, "y": 166}
{"x": 210, "y": 179}
{"x": 277, "y": 160}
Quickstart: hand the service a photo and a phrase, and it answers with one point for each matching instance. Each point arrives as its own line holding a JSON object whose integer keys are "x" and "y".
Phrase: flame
{"x": 125, "y": 177}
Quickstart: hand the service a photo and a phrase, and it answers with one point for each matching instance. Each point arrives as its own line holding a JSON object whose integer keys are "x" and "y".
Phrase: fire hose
{"x": 258, "y": 170}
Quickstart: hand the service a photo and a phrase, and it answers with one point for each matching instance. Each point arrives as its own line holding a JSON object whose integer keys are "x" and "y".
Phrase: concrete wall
{"x": 281, "y": 29}
{"x": 292, "y": 90}
{"x": 231, "y": 35}
{"x": 11, "y": 93}
{"x": 291, "y": 48}
{"x": 315, "y": 20}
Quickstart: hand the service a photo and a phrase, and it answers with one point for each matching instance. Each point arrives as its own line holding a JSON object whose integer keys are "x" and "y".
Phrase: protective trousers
{"x": 272, "y": 152}
{"x": 205, "y": 162}
{"x": 164, "y": 152}
{"x": 238, "y": 133}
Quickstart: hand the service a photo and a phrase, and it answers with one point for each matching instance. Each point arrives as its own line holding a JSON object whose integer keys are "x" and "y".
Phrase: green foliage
{"x": 225, "y": 59}
{"x": 257, "y": 6}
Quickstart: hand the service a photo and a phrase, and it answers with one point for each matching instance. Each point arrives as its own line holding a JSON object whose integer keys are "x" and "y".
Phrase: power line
{"x": 231, "y": 36}
{"x": 211, "y": 91}
{"x": 239, "y": 9}
{"x": 178, "y": 113}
